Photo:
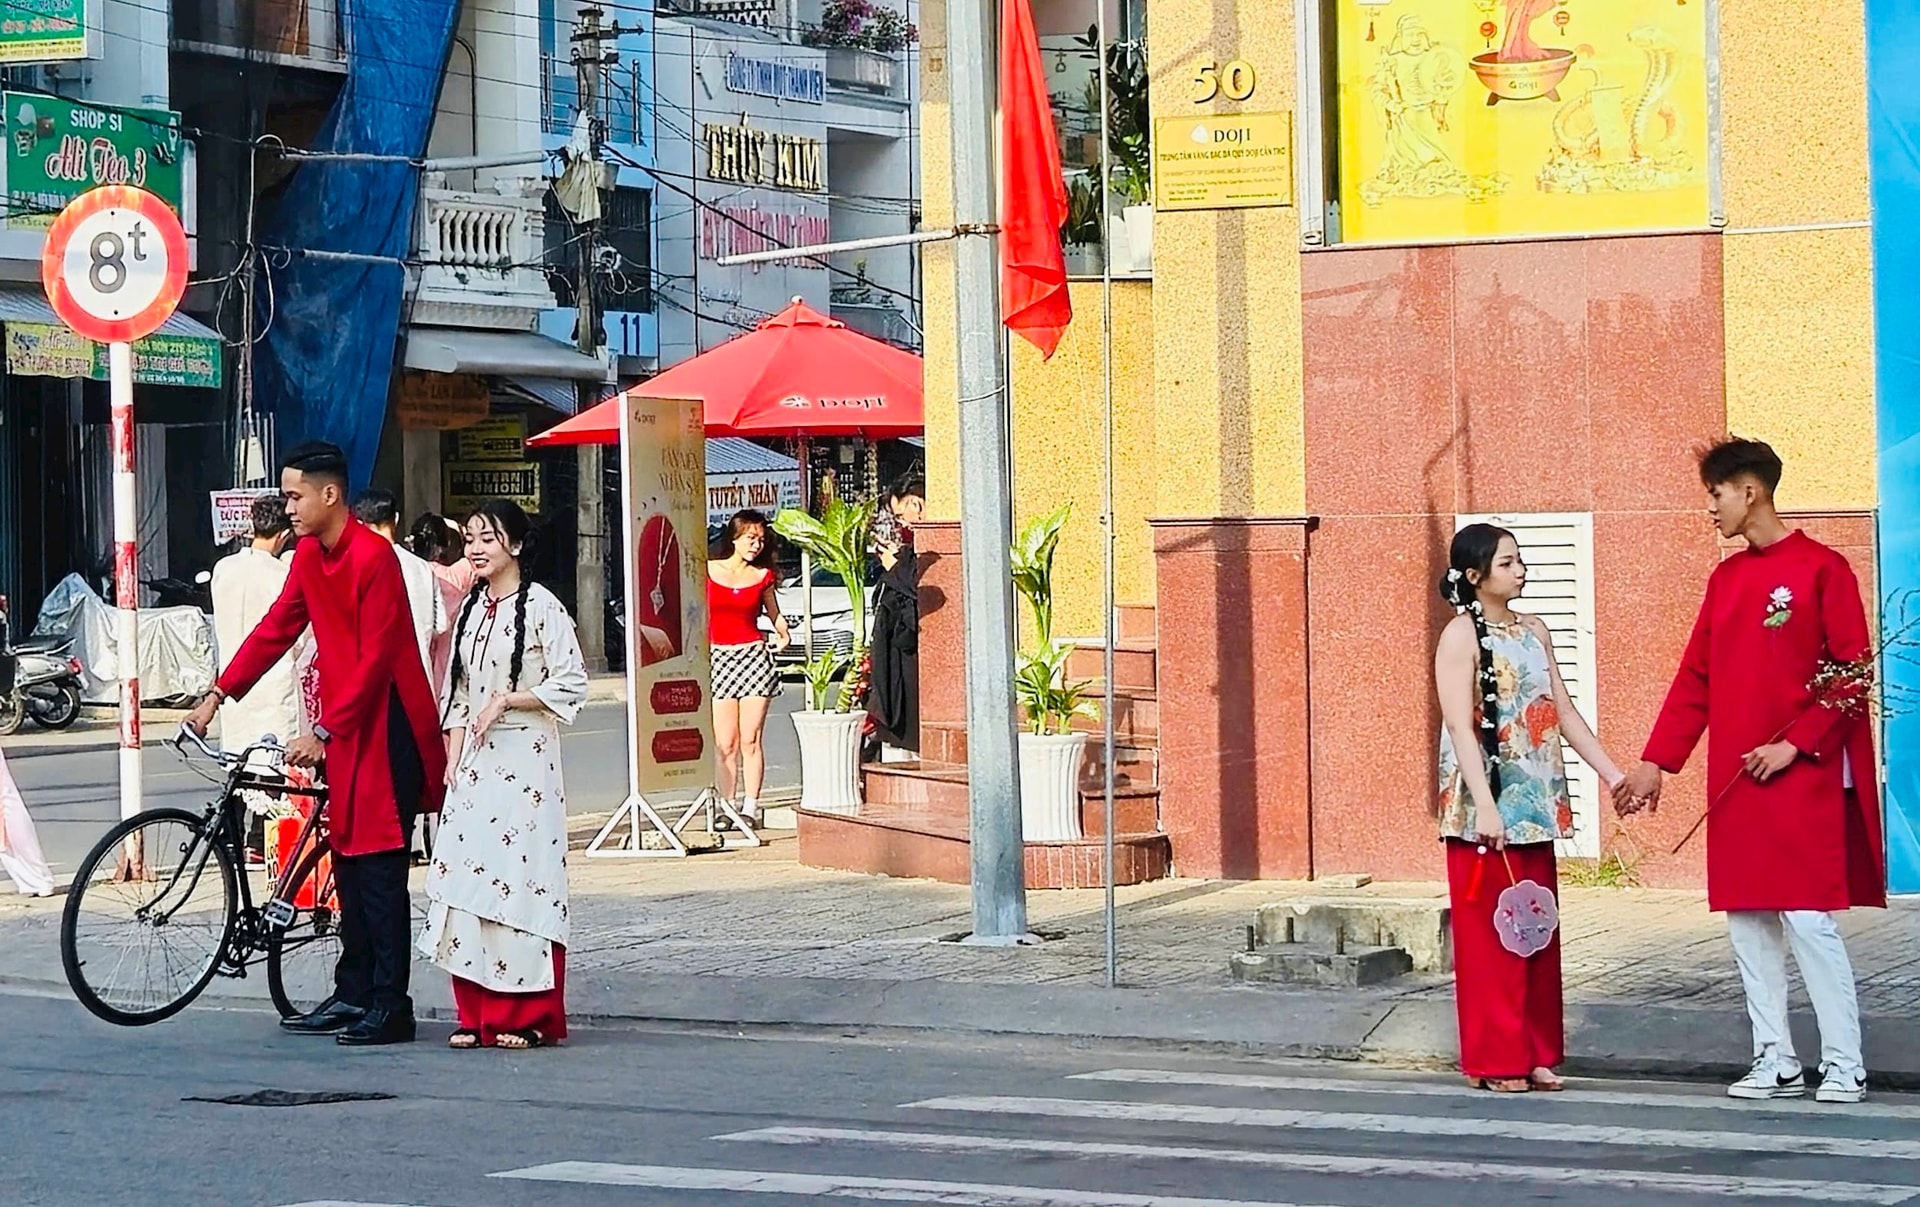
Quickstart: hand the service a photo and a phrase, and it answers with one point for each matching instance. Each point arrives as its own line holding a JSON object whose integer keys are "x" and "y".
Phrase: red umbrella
{"x": 798, "y": 373}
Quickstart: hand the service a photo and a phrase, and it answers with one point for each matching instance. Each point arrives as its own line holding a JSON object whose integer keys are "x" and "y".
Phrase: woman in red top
{"x": 740, "y": 586}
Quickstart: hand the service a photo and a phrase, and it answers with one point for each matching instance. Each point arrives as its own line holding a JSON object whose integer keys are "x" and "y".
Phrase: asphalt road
{"x": 74, "y": 795}
{"x": 620, "y": 1118}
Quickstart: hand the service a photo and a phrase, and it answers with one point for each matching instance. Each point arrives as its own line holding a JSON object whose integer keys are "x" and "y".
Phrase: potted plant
{"x": 1080, "y": 237}
{"x": 1130, "y": 148}
{"x": 1051, "y": 752}
{"x": 830, "y": 726}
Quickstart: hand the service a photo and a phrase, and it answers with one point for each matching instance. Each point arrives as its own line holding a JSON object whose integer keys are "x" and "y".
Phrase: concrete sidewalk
{"x": 751, "y": 938}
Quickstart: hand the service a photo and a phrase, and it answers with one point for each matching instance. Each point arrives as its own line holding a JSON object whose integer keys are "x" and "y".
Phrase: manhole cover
{"x": 292, "y": 1098}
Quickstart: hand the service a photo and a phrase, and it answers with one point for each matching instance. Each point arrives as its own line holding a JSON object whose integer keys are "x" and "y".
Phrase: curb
{"x": 1606, "y": 1039}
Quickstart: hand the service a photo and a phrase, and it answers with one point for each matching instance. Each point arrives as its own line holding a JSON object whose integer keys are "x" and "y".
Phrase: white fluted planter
{"x": 829, "y": 760}
{"x": 1050, "y": 785}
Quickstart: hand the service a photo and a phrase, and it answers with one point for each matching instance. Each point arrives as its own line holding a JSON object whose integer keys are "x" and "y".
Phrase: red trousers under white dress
{"x": 1509, "y": 1006}
{"x": 490, "y": 1011}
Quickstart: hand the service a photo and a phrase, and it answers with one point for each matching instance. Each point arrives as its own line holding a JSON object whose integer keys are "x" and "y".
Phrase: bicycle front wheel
{"x": 148, "y": 918}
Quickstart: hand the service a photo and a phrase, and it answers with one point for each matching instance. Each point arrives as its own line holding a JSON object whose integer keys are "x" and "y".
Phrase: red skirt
{"x": 491, "y": 1011}
{"x": 1509, "y": 1006}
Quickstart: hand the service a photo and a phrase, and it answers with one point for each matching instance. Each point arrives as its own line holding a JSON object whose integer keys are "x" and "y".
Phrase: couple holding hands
{"x": 1792, "y": 820}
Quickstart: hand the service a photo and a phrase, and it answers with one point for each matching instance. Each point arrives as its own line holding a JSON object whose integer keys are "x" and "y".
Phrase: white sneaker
{"x": 1772, "y": 1076}
{"x": 1836, "y": 1086}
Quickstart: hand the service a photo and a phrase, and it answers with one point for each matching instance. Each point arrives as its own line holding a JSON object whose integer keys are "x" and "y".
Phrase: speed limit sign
{"x": 115, "y": 264}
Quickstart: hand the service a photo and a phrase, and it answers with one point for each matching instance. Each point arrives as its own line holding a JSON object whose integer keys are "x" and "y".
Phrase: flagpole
{"x": 1108, "y": 527}
{"x": 997, "y": 852}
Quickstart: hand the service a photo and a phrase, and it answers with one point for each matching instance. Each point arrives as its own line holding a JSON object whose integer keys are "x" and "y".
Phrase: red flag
{"x": 1033, "y": 204}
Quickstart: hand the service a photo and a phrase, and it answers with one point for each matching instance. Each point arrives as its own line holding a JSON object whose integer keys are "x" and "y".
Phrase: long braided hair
{"x": 511, "y": 528}
{"x": 1470, "y": 559}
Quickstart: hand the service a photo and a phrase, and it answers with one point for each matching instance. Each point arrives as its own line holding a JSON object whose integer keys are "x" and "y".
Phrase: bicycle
{"x": 168, "y": 874}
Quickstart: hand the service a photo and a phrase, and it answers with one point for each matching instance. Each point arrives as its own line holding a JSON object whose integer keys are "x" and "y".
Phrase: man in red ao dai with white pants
{"x": 1793, "y": 814}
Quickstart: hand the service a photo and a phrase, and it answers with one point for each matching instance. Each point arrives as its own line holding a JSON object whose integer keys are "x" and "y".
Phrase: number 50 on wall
{"x": 1235, "y": 81}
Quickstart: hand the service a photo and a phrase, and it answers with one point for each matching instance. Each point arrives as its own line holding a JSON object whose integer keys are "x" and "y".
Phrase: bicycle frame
{"x": 225, "y": 824}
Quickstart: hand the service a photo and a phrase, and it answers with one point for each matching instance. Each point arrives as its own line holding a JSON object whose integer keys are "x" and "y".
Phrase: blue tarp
{"x": 324, "y": 366}
{"x": 1893, "y": 126}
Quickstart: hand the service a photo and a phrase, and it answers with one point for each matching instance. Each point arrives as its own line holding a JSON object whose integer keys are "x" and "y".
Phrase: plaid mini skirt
{"x": 741, "y": 671}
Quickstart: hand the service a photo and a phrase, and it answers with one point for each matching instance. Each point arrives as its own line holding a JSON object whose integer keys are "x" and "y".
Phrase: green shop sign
{"x": 40, "y": 31}
{"x": 57, "y": 150}
{"x": 53, "y": 350}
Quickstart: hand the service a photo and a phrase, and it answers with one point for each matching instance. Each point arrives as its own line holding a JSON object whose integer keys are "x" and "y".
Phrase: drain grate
{"x": 292, "y": 1098}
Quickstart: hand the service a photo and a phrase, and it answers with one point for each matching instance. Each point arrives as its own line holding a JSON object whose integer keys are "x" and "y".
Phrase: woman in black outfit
{"x": 893, "y": 698}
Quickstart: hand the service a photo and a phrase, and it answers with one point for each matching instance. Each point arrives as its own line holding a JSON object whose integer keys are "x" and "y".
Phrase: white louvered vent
{"x": 1558, "y": 550}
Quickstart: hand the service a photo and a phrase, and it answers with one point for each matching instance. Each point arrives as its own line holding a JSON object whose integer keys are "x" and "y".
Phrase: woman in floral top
{"x": 1503, "y": 801}
{"x": 497, "y": 884}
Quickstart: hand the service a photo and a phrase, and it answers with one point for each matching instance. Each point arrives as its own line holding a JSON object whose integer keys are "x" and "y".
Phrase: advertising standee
{"x": 669, "y": 663}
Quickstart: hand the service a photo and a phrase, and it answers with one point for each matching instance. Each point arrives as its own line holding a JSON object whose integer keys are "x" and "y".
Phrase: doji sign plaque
{"x": 114, "y": 267}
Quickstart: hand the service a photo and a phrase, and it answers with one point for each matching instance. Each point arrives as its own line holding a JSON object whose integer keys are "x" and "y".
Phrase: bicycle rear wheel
{"x": 148, "y": 918}
{"x": 301, "y": 959}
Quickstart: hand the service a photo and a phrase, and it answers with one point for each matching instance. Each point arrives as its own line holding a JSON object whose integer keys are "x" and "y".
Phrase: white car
{"x": 832, "y": 615}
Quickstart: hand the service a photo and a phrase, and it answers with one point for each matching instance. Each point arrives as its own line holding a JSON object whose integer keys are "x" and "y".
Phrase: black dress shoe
{"x": 331, "y": 1017}
{"x": 377, "y": 1027}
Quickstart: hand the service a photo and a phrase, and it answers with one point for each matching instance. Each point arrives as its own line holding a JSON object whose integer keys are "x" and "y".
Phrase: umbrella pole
{"x": 806, "y": 559}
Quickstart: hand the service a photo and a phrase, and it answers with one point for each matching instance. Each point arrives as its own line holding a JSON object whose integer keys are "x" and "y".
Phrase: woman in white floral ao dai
{"x": 497, "y": 887}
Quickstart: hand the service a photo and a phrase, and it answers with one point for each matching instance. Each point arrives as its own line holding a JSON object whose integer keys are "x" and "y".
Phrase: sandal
{"x": 463, "y": 1040}
{"x": 519, "y": 1041}
{"x": 1501, "y": 1085}
{"x": 1546, "y": 1081}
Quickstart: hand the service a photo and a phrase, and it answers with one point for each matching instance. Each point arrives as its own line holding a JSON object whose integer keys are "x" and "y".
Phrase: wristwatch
{"x": 324, "y": 734}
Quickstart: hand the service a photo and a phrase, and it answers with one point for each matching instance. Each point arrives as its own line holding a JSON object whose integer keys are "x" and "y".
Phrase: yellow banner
{"x": 1474, "y": 119}
{"x": 663, "y": 446}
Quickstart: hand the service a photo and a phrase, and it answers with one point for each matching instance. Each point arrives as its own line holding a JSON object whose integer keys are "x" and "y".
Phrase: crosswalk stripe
{"x": 1578, "y": 1093}
{"x": 1418, "y": 1125}
{"x": 1457, "y": 1171}
{"x": 845, "y": 1186}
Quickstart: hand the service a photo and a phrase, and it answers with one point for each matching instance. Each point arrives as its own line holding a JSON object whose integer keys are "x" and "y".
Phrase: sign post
{"x": 114, "y": 267}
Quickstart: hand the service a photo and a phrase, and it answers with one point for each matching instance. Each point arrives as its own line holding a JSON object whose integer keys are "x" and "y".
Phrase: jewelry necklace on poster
{"x": 658, "y": 595}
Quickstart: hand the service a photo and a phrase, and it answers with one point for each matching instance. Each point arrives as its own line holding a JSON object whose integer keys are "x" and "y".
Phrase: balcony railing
{"x": 756, "y": 14}
{"x": 293, "y": 30}
{"x": 863, "y": 70}
{"x": 480, "y": 257}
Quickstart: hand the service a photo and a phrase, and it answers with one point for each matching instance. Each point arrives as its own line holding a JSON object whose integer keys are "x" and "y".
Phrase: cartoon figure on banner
{"x": 661, "y": 623}
{"x": 1411, "y": 87}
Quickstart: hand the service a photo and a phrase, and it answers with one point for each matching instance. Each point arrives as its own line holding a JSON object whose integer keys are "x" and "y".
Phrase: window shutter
{"x": 1558, "y": 550}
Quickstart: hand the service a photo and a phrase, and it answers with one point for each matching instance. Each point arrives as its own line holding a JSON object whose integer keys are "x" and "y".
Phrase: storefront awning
{"x": 30, "y": 306}
{"x": 518, "y": 354}
{"x": 557, "y": 393}
{"x": 184, "y": 352}
{"x": 734, "y": 455}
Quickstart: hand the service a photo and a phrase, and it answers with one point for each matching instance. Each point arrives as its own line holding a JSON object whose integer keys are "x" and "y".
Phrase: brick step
{"x": 1136, "y": 771}
{"x": 1135, "y": 664}
{"x": 1136, "y": 717}
{"x": 1137, "y": 622}
{"x": 889, "y": 842}
{"x": 1136, "y": 733}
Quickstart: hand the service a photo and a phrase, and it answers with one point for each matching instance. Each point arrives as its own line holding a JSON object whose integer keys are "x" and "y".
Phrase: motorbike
{"x": 39, "y": 682}
{"x": 173, "y": 592}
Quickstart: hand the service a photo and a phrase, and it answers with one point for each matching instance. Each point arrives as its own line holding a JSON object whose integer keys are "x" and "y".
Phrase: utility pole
{"x": 986, "y": 488}
{"x": 590, "y": 583}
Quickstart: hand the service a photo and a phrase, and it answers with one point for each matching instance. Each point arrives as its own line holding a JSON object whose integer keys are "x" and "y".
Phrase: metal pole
{"x": 821, "y": 249}
{"x": 986, "y": 489}
{"x": 1108, "y": 527}
{"x": 805, "y": 450}
{"x": 126, "y": 572}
